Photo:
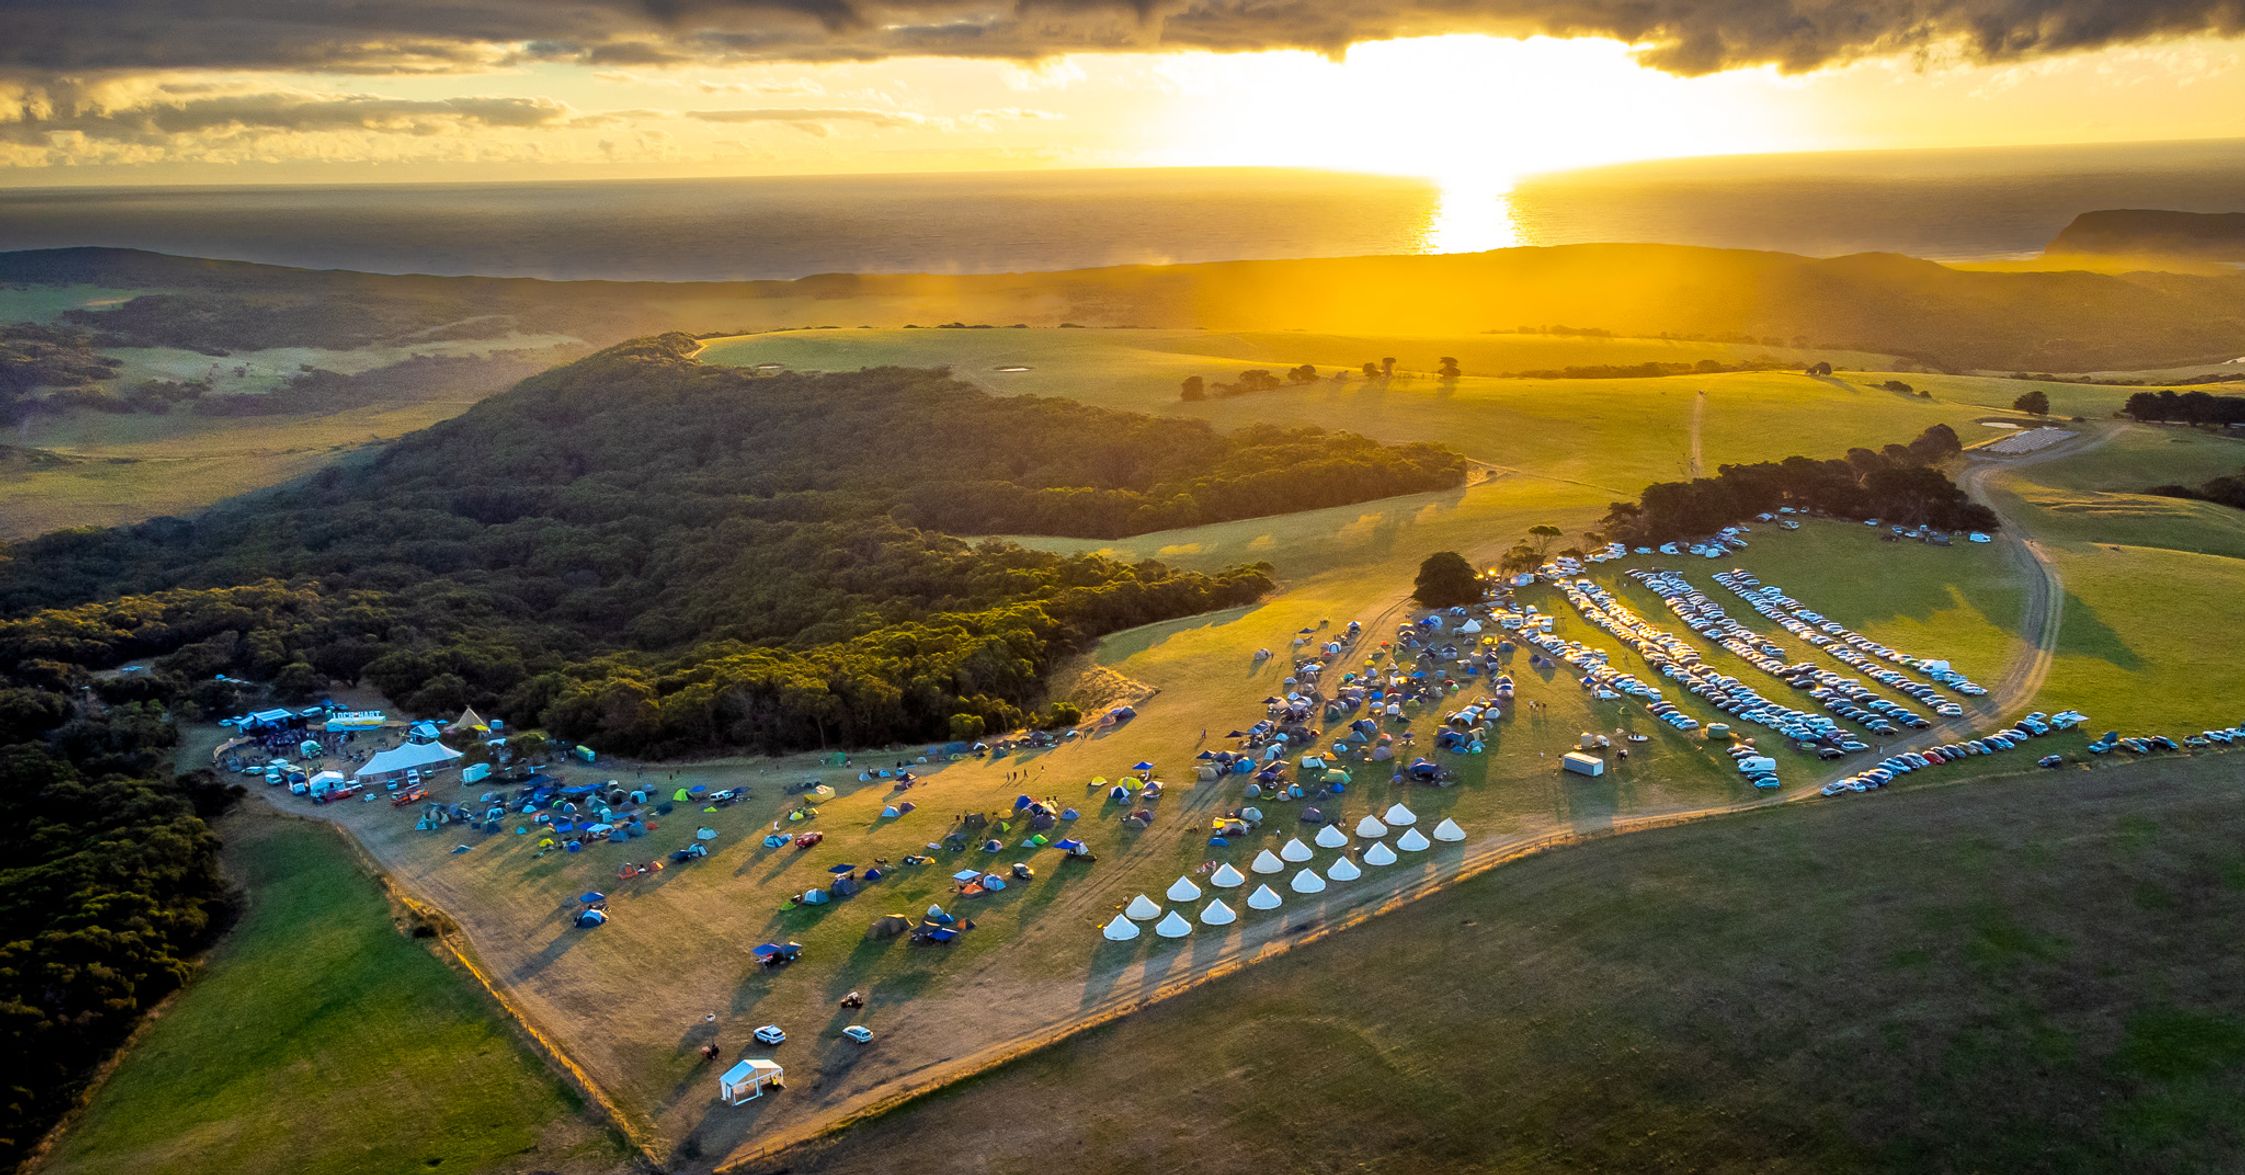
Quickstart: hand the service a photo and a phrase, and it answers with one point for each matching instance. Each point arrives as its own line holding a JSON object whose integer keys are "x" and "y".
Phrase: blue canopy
{"x": 766, "y": 951}
{"x": 590, "y": 896}
{"x": 1141, "y": 765}
{"x": 963, "y": 875}
{"x": 1069, "y": 845}
{"x": 942, "y": 934}
{"x": 839, "y": 869}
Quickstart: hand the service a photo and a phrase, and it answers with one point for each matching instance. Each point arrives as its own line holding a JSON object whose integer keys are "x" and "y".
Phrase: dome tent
{"x": 1370, "y": 828}
{"x": 1142, "y": 908}
{"x": 1227, "y": 877}
{"x": 1121, "y": 929}
{"x": 1413, "y": 841}
{"x": 1331, "y": 837}
{"x": 1218, "y": 914}
{"x": 1307, "y": 881}
{"x": 1448, "y": 830}
{"x": 1183, "y": 890}
{"x": 1379, "y": 854}
{"x": 1264, "y": 898}
{"x": 1399, "y": 816}
{"x": 1267, "y": 862}
{"x": 1344, "y": 870}
{"x": 1172, "y": 926}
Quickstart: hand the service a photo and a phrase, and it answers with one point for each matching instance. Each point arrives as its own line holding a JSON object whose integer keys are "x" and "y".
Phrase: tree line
{"x": 1897, "y": 484}
{"x": 2170, "y": 406}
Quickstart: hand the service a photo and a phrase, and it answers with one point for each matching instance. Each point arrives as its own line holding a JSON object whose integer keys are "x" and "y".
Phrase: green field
{"x": 2025, "y": 974}
{"x": 322, "y": 1039}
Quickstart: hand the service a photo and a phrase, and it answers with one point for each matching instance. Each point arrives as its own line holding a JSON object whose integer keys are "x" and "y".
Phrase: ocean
{"x": 1939, "y": 204}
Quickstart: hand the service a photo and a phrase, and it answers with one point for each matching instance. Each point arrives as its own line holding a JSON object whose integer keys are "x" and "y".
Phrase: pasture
{"x": 320, "y": 1038}
{"x": 2029, "y": 973}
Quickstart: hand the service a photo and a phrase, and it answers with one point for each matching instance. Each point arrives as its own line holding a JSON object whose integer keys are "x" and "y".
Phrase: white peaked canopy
{"x": 1216, "y": 913}
{"x": 1294, "y": 850}
{"x": 1267, "y": 862}
{"x": 1120, "y": 930}
{"x": 1399, "y": 816}
{"x": 399, "y": 760}
{"x": 1413, "y": 841}
{"x": 1344, "y": 870}
{"x": 1142, "y": 908}
{"x": 1183, "y": 890}
{"x": 1448, "y": 830}
{"x": 1331, "y": 837}
{"x": 1379, "y": 854}
{"x": 1370, "y": 828}
{"x": 1172, "y": 926}
{"x": 1228, "y": 877}
{"x": 1307, "y": 881}
{"x": 1264, "y": 898}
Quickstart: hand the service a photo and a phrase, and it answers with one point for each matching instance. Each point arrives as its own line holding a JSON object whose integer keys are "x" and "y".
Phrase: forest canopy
{"x": 1897, "y": 484}
{"x": 663, "y": 557}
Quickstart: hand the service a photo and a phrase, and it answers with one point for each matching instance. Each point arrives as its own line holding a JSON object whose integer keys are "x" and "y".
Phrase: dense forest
{"x": 35, "y": 359}
{"x": 2170, "y": 406}
{"x": 1898, "y": 484}
{"x": 2222, "y": 491}
{"x": 662, "y": 556}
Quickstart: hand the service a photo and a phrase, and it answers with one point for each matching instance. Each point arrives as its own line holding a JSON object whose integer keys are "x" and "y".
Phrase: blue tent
{"x": 942, "y": 934}
{"x": 1070, "y": 814}
{"x": 588, "y": 919}
{"x": 1021, "y": 802}
{"x": 1141, "y": 765}
{"x": 1069, "y": 845}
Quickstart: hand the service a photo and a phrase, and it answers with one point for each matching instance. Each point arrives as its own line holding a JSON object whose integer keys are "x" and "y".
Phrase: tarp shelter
{"x": 746, "y": 1081}
{"x": 392, "y": 764}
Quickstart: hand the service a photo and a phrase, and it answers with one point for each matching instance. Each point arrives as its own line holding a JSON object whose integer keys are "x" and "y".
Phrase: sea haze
{"x": 1940, "y": 204}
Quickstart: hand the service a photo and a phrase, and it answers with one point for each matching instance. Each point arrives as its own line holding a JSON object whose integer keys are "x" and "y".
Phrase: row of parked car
{"x": 1682, "y": 663}
{"x": 1844, "y": 696}
{"x": 2031, "y": 727}
{"x": 1852, "y": 648}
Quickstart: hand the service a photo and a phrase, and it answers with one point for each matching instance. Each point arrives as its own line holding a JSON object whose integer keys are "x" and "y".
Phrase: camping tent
{"x": 1183, "y": 890}
{"x": 1412, "y": 841}
{"x": 1307, "y": 881}
{"x": 392, "y": 764}
{"x": 746, "y": 1081}
{"x": 1370, "y": 828}
{"x": 467, "y": 722}
{"x": 1448, "y": 830}
{"x": 888, "y": 926}
{"x": 1294, "y": 850}
{"x": 1227, "y": 877}
{"x": 1142, "y": 908}
{"x": 1379, "y": 854}
{"x": 1331, "y": 837}
{"x": 1121, "y": 929}
{"x": 1264, "y": 898}
{"x": 1267, "y": 862}
{"x": 1398, "y": 816}
{"x": 1344, "y": 870}
{"x": 1218, "y": 914}
{"x": 1173, "y": 926}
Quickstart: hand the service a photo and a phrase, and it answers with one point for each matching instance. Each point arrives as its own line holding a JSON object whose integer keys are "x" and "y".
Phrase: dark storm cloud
{"x": 58, "y": 37}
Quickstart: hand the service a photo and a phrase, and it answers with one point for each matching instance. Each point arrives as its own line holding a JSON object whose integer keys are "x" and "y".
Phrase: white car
{"x": 859, "y": 1033}
{"x": 771, "y": 1034}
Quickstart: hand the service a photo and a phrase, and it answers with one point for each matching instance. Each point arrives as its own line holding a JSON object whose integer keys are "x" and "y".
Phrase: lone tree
{"x": 1371, "y": 370}
{"x": 1387, "y": 367}
{"x": 2036, "y": 402}
{"x": 1195, "y": 389}
{"x": 1446, "y": 580}
{"x": 1545, "y": 535}
{"x": 1820, "y": 368}
{"x": 1449, "y": 368}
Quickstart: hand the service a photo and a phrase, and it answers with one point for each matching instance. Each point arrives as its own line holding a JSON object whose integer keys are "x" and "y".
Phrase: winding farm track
{"x": 2041, "y": 620}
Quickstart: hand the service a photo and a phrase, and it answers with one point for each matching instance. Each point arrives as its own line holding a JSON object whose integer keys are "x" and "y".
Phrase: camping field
{"x": 321, "y": 1038}
{"x": 633, "y": 1002}
{"x": 2030, "y": 973}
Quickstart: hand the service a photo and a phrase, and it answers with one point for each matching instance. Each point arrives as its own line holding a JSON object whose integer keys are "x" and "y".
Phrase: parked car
{"x": 859, "y": 1033}
{"x": 771, "y": 1034}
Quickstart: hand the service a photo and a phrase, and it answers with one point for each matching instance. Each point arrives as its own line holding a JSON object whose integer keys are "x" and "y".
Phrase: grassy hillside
{"x": 2047, "y": 321}
{"x": 318, "y": 1003}
{"x": 2024, "y": 974}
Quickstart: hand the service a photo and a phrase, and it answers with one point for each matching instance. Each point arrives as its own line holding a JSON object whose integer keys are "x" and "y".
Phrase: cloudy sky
{"x": 103, "y": 91}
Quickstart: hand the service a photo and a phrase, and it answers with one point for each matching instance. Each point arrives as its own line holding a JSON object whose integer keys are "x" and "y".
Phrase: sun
{"x": 1473, "y": 113}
